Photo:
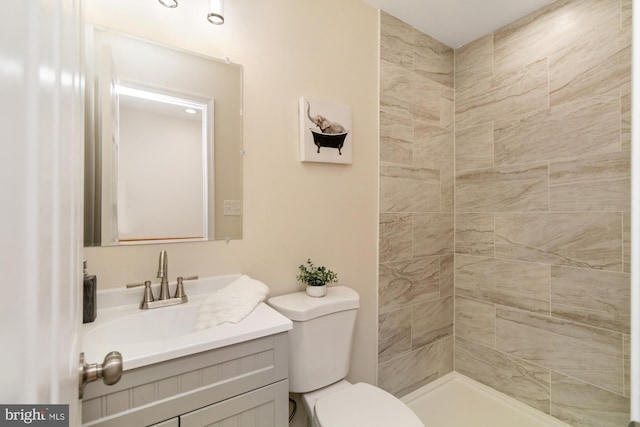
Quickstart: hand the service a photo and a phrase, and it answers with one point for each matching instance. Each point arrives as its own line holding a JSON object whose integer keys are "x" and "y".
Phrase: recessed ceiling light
{"x": 190, "y": 111}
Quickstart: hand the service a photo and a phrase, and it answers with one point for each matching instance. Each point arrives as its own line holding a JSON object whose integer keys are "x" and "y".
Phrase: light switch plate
{"x": 232, "y": 208}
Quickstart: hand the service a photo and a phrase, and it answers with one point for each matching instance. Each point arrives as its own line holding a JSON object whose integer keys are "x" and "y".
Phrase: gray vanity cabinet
{"x": 173, "y": 422}
{"x": 244, "y": 383}
{"x": 254, "y": 409}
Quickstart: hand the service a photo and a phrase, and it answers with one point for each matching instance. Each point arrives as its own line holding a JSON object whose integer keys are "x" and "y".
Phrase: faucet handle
{"x": 180, "y": 288}
{"x": 134, "y": 285}
{"x": 147, "y": 297}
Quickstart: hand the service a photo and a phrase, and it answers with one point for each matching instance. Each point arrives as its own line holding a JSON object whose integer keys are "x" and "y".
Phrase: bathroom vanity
{"x": 234, "y": 372}
{"x": 247, "y": 381}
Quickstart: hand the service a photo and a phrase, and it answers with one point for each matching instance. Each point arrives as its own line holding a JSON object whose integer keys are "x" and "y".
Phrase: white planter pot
{"x": 316, "y": 291}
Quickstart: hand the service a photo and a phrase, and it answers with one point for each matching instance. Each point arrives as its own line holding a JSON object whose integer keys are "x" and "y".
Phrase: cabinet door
{"x": 264, "y": 407}
{"x": 173, "y": 422}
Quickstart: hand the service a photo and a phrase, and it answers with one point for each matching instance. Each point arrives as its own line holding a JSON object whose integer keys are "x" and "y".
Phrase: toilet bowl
{"x": 357, "y": 405}
{"x": 320, "y": 346}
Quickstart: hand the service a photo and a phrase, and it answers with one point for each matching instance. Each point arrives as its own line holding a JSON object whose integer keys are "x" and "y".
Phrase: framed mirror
{"x": 163, "y": 152}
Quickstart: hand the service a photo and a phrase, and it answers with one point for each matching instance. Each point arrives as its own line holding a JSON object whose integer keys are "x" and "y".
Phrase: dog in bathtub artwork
{"x": 325, "y": 132}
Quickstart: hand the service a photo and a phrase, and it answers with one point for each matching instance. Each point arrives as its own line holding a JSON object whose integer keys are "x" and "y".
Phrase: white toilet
{"x": 320, "y": 345}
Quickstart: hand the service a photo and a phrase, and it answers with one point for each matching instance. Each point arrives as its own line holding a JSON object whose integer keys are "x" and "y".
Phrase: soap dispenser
{"x": 89, "y": 291}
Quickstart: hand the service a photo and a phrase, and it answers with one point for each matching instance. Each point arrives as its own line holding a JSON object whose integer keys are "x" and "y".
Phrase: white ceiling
{"x": 458, "y": 22}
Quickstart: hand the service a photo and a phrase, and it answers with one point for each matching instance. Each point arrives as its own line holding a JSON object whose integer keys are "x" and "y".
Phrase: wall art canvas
{"x": 325, "y": 132}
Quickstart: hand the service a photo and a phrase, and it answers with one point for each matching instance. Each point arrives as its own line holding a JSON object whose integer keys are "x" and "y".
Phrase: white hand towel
{"x": 232, "y": 303}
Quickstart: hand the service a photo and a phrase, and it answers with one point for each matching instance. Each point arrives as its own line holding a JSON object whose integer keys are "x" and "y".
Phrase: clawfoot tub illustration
{"x": 331, "y": 135}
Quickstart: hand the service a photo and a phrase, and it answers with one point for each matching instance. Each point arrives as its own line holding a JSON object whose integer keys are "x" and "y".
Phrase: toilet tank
{"x": 321, "y": 341}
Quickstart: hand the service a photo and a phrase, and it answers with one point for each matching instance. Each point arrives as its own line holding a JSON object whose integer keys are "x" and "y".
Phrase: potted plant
{"x": 315, "y": 278}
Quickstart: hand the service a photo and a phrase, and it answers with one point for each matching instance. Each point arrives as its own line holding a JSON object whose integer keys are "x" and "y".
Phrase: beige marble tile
{"x": 524, "y": 40}
{"x": 394, "y": 334}
{"x": 396, "y": 90}
{"x": 431, "y": 102}
{"x": 588, "y": 240}
{"x": 588, "y": 126}
{"x": 591, "y": 65}
{"x": 474, "y": 234}
{"x": 521, "y": 91}
{"x": 433, "y": 146}
{"x": 410, "y": 371}
{"x": 626, "y": 13}
{"x": 517, "y": 284}
{"x": 580, "y": 404}
{"x": 509, "y": 94}
{"x": 445, "y": 356}
{"x": 432, "y": 59}
{"x": 475, "y": 103}
{"x": 396, "y": 41}
{"x": 474, "y": 147}
{"x": 447, "y": 109}
{"x": 396, "y": 139}
{"x": 527, "y": 382}
{"x": 426, "y": 100}
{"x": 474, "y": 62}
{"x": 596, "y": 298}
{"x": 395, "y": 237}
{"x": 626, "y": 341}
{"x": 625, "y": 118}
{"x": 545, "y": 31}
{"x": 409, "y": 189}
{"x": 593, "y": 183}
{"x": 431, "y": 176}
{"x": 447, "y": 195}
{"x": 626, "y": 242}
{"x": 503, "y": 189}
{"x": 431, "y": 321}
{"x": 589, "y": 354}
{"x": 432, "y": 234}
{"x": 475, "y": 321}
{"x": 447, "y": 266}
{"x": 404, "y": 283}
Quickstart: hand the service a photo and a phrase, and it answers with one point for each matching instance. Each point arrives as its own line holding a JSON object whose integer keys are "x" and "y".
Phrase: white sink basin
{"x": 145, "y": 337}
{"x": 144, "y": 326}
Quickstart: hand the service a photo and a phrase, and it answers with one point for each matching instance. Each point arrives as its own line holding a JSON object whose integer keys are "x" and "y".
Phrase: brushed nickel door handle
{"x": 110, "y": 370}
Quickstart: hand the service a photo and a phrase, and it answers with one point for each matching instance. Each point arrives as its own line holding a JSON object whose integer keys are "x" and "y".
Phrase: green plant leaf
{"x": 315, "y": 276}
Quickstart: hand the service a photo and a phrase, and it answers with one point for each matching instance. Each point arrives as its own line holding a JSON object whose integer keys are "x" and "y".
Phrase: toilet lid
{"x": 363, "y": 405}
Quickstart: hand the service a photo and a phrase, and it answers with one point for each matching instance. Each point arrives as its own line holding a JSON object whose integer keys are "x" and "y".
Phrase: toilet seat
{"x": 363, "y": 405}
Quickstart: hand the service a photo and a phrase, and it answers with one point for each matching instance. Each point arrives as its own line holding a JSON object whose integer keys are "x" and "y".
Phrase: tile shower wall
{"x": 416, "y": 208}
{"x": 542, "y": 200}
{"x": 538, "y": 217}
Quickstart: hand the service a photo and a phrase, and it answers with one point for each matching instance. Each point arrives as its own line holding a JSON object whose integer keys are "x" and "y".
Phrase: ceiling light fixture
{"x": 216, "y": 12}
{"x": 169, "y": 3}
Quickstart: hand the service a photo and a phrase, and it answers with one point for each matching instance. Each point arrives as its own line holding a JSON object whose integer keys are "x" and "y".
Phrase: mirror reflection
{"x": 160, "y": 134}
{"x": 163, "y": 155}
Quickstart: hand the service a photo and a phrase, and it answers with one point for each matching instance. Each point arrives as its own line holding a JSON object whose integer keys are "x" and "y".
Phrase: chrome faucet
{"x": 163, "y": 267}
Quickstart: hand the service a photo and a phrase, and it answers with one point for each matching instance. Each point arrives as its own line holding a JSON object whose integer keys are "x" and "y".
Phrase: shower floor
{"x": 455, "y": 400}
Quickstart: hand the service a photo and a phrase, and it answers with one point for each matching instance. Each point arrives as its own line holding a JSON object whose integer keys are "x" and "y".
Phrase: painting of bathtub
{"x": 325, "y": 132}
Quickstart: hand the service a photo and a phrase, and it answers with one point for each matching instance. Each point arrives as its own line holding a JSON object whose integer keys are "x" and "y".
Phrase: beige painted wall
{"x": 291, "y": 210}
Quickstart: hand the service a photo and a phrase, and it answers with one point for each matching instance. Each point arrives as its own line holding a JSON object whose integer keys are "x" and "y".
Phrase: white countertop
{"x": 144, "y": 342}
